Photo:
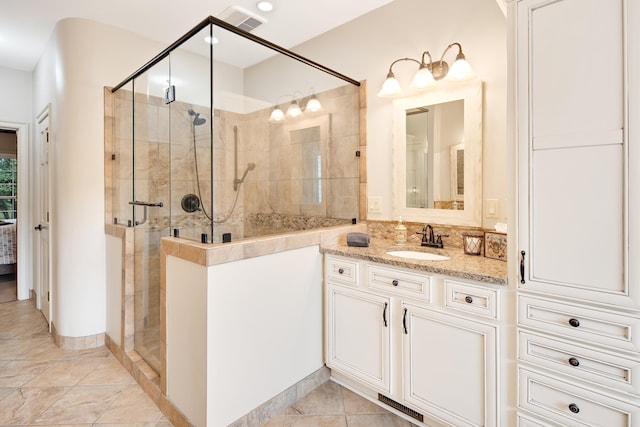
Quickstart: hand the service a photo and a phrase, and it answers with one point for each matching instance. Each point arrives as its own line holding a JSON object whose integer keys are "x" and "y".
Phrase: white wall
{"x": 15, "y": 102}
{"x": 240, "y": 333}
{"x": 364, "y": 48}
{"x": 81, "y": 58}
{"x": 16, "y": 108}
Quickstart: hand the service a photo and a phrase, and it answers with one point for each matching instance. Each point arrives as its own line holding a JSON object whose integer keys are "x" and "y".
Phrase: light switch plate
{"x": 492, "y": 208}
{"x": 374, "y": 204}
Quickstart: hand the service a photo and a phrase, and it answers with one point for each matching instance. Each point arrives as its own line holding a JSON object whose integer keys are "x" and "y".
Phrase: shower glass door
{"x": 192, "y": 125}
{"x": 150, "y": 204}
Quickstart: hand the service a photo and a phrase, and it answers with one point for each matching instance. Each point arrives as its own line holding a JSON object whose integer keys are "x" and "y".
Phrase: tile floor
{"x": 332, "y": 405}
{"x": 43, "y": 385}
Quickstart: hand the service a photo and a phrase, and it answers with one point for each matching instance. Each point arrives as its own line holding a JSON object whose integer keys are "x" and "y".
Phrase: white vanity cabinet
{"x": 578, "y": 211}
{"x": 426, "y": 342}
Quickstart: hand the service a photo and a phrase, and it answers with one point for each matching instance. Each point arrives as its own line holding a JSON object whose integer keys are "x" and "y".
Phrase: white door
{"x": 42, "y": 228}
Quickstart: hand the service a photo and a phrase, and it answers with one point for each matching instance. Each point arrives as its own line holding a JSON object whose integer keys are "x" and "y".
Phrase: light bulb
{"x": 390, "y": 87}
{"x": 294, "y": 110}
{"x": 460, "y": 70}
{"x": 276, "y": 115}
{"x": 422, "y": 80}
{"x": 313, "y": 105}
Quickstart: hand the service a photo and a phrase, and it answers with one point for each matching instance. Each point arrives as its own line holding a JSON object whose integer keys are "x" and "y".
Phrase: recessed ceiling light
{"x": 265, "y": 6}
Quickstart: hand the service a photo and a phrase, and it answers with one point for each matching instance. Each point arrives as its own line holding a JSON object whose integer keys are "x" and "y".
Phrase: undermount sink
{"x": 425, "y": 256}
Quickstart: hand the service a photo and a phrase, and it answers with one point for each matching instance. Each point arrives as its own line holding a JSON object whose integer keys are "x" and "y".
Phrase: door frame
{"x": 24, "y": 246}
{"x": 43, "y": 120}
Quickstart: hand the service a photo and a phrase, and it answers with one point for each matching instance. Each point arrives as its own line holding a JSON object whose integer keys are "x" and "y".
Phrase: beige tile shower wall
{"x": 118, "y": 145}
{"x": 280, "y": 184}
{"x": 184, "y": 178}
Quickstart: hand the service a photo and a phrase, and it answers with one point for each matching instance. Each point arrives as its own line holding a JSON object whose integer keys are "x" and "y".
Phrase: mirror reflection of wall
{"x": 435, "y": 156}
{"x": 417, "y": 158}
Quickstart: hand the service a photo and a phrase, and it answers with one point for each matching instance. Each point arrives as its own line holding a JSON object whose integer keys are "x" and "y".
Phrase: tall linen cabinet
{"x": 577, "y": 96}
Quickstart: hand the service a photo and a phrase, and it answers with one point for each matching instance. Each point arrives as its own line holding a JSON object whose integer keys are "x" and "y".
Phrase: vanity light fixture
{"x": 294, "y": 110}
{"x": 429, "y": 73}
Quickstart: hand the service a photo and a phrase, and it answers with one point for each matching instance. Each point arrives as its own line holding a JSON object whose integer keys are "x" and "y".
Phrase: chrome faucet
{"x": 428, "y": 238}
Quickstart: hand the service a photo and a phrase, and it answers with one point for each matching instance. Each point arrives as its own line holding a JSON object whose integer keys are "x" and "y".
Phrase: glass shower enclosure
{"x": 225, "y": 136}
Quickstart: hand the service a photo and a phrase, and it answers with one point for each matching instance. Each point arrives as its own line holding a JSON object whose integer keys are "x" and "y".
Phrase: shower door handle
{"x": 148, "y": 204}
{"x": 145, "y": 205}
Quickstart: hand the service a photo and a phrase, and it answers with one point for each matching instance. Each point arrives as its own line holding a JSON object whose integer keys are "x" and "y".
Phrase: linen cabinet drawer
{"x": 579, "y": 322}
{"x": 570, "y": 405}
{"x": 471, "y": 299}
{"x": 399, "y": 282}
{"x": 604, "y": 369}
{"x": 342, "y": 270}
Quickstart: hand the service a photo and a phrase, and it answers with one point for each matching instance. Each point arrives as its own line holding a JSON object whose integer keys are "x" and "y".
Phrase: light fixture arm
{"x": 460, "y": 55}
{"x": 423, "y": 64}
{"x": 390, "y": 73}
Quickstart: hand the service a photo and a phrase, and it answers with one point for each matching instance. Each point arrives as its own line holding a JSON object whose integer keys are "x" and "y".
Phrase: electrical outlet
{"x": 492, "y": 208}
{"x": 374, "y": 204}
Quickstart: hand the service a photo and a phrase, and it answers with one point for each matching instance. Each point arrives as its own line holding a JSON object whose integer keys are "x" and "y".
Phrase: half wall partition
{"x": 200, "y": 153}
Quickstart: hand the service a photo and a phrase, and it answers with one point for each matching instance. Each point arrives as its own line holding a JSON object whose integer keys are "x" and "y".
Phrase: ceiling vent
{"x": 242, "y": 18}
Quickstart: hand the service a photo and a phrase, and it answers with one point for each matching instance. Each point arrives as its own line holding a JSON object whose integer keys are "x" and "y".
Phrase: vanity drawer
{"x": 471, "y": 299}
{"x": 600, "y": 368}
{"x": 342, "y": 270}
{"x": 571, "y": 405}
{"x": 528, "y": 421}
{"x": 578, "y": 322}
{"x": 399, "y": 282}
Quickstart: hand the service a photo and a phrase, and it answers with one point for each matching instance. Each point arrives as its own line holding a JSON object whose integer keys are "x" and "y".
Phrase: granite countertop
{"x": 460, "y": 265}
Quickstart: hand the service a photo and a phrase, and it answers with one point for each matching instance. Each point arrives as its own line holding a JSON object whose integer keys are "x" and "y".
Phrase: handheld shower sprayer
{"x": 250, "y": 167}
{"x": 236, "y": 182}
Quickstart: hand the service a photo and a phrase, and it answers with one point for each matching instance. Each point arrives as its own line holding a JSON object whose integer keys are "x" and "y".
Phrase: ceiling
{"x": 26, "y": 25}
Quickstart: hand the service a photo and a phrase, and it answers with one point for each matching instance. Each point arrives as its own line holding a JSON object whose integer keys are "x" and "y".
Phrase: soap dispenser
{"x": 401, "y": 233}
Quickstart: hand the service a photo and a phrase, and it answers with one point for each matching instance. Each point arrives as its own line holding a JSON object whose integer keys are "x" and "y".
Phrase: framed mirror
{"x": 437, "y": 155}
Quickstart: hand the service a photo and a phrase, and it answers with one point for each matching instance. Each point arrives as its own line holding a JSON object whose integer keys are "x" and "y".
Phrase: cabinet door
{"x": 449, "y": 367}
{"x": 573, "y": 149}
{"x": 358, "y": 335}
